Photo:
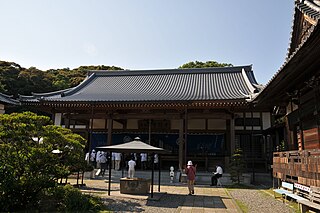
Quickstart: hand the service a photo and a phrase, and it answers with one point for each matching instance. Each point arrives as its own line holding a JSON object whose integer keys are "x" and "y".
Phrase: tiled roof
{"x": 309, "y": 8}
{"x": 7, "y": 99}
{"x": 228, "y": 83}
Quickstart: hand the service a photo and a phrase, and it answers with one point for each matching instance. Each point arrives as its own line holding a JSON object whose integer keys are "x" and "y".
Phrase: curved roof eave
{"x": 287, "y": 61}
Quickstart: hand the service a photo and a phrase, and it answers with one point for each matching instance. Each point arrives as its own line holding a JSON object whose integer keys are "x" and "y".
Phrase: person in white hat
{"x": 191, "y": 175}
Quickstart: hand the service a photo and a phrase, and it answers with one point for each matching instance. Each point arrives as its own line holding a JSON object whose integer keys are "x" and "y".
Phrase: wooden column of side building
{"x": 110, "y": 124}
{"x": 180, "y": 141}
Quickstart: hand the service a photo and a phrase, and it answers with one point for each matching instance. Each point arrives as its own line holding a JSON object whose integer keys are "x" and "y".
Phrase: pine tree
{"x": 237, "y": 166}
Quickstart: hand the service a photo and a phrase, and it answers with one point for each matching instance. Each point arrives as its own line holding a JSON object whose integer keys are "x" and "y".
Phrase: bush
{"x": 28, "y": 164}
{"x": 68, "y": 198}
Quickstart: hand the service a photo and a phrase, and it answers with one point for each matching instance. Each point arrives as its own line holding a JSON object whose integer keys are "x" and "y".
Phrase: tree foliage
{"x": 15, "y": 79}
{"x": 237, "y": 166}
{"x": 29, "y": 165}
{"x": 200, "y": 64}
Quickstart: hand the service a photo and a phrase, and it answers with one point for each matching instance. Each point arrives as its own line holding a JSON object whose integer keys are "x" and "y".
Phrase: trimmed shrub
{"x": 68, "y": 198}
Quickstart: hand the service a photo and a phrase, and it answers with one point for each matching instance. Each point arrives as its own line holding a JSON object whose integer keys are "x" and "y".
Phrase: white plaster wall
{"x": 219, "y": 124}
{"x": 132, "y": 124}
{"x": 99, "y": 123}
{"x": 197, "y": 124}
{"x": 57, "y": 119}
{"x": 117, "y": 125}
{"x": 266, "y": 120}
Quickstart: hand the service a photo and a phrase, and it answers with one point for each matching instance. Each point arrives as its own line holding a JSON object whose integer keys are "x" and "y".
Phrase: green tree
{"x": 200, "y": 64}
{"x": 237, "y": 165}
{"x": 29, "y": 165}
{"x": 15, "y": 80}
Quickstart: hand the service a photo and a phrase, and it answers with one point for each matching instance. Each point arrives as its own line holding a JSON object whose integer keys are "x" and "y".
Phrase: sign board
{"x": 302, "y": 187}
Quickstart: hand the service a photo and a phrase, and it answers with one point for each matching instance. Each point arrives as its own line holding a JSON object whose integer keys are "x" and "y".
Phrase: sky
{"x": 146, "y": 34}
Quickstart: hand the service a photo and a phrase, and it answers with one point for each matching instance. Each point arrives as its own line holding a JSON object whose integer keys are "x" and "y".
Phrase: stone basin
{"x": 134, "y": 185}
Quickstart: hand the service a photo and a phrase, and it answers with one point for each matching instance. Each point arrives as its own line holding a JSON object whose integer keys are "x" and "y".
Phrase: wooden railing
{"x": 298, "y": 166}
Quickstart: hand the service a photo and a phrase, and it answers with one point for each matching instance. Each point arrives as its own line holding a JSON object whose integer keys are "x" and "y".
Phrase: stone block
{"x": 134, "y": 186}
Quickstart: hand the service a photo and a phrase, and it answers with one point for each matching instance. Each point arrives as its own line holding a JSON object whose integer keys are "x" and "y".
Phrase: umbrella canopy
{"x": 133, "y": 146}
{"x": 130, "y": 147}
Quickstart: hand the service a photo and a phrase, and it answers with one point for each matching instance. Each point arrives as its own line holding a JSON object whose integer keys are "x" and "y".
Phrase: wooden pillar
{"x": 253, "y": 154}
{"x": 185, "y": 134}
{"x": 110, "y": 125}
{"x": 300, "y": 121}
{"x": 181, "y": 142}
{"x": 91, "y": 129}
{"x": 317, "y": 106}
{"x": 232, "y": 135}
{"x": 149, "y": 134}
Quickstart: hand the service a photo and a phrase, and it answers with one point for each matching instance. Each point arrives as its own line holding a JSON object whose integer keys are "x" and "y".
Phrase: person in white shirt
{"x": 87, "y": 158}
{"x": 144, "y": 158}
{"x": 131, "y": 169}
{"x": 93, "y": 158}
{"x": 103, "y": 162}
{"x": 113, "y": 160}
{"x": 216, "y": 176}
{"x": 117, "y": 158}
{"x": 98, "y": 159}
{"x": 156, "y": 161}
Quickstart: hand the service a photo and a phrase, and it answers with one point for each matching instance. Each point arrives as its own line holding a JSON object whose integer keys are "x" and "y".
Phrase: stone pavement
{"x": 206, "y": 198}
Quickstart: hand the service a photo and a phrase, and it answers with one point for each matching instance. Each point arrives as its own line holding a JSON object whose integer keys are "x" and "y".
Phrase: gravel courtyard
{"x": 175, "y": 199}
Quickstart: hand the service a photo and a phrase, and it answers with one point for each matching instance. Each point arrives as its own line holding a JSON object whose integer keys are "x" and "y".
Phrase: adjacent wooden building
{"x": 197, "y": 114}
{"x": 294, "y": 94}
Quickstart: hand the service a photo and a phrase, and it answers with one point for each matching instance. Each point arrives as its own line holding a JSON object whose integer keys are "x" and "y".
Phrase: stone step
{"x": 202, "y": 178}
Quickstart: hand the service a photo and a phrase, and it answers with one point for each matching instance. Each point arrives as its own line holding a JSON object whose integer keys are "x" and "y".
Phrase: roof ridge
{"x": 173, "y": 71}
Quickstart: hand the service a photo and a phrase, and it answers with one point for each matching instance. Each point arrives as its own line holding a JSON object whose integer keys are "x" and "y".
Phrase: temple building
{"x": 7, "y": 101}
{"x": 201, "y": 115}
{"x": 294, "y": 94}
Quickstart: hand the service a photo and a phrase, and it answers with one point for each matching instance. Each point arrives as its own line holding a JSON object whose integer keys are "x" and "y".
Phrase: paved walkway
{"x": 173, "y": 198}
{"x": 206, "y": 200}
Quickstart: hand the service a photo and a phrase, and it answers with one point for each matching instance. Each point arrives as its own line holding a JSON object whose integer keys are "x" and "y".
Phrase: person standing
{"x": 98, "y": 159}
{"x": 131, "y": 170}
{"x": 191, "y": 176}
{"x": 117, "y": 158}
{"x": 103, "y": 162}
{"x": 216, "y": 175}
{"x": 144, "y": 158}
{"x": 156, "y": 161}
{"x": 93, "y": 158}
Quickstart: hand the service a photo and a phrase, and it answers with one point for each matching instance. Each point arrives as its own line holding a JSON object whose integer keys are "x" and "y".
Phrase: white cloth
{"x": 87, "y": 157}
{"x": 103, "y": 157}
{"x": 113, "y": 155}
{"x": 131, "y": 170}
{"x": 98, "y": 157}
{"x": 93, "y": 155}
{"x": 143, "y": 156}
{"x": 131, "y": 164}
{"x": 117, "y": 156}
{"x": 219, "y": 170}
{"x": 156, "y": 158}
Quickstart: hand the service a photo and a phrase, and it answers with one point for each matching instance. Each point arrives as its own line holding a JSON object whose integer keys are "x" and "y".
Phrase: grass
{"x": 292, "y": 204}
{"x": 242, "y": 206}
{"x": 264, "y": 192}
